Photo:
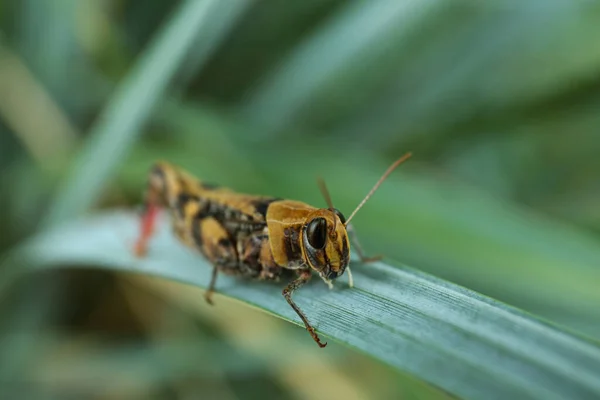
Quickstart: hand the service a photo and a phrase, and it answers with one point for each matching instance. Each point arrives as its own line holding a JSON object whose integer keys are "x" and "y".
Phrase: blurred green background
{"x": 499, "y": 102}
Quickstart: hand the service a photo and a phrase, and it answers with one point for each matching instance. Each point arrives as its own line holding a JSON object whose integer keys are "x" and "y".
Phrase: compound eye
{"x": 340, "y": 215}
{"x": 316, "y": 233}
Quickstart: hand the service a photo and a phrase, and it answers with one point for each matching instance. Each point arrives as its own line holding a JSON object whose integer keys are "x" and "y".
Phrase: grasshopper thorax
{"x": 325, "y": 244}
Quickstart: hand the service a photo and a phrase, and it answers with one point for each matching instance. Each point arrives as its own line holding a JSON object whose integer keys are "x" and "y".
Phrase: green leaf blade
{"x": 120, "y": 124}
{"x": 446, "y": 335}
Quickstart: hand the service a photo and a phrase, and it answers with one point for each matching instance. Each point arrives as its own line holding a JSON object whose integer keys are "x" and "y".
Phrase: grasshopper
{"x": 256, "y": 237}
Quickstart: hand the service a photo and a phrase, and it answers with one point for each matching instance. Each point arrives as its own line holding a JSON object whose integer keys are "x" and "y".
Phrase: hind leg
{"x": 162, "y": 191}
{"x": 166, "y": 188}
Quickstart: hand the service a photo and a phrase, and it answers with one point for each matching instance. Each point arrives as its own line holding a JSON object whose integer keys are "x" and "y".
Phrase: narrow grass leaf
{"x": 340, "y": 43}
{"x": 120, "y": 124}
{"x": 456, "y": 339}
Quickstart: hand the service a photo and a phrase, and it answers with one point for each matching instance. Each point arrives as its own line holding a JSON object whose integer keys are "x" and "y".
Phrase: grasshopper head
{"x": 325, "y": 243}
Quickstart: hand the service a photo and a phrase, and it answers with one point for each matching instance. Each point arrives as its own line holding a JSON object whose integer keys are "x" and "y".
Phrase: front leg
{"x": 304, "y": 276}
{"x": 354, "y": 238}
{"x": 328, "y": 282}
{"x": 363, "y": 258}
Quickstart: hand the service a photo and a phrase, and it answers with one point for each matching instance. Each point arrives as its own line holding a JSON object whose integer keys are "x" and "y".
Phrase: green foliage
{"x": 121, "y": 122}
{"x": 498, "y": 100}
{"x": 448, "y": 336}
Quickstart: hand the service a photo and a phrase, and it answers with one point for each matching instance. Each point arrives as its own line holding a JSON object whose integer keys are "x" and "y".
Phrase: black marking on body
{"x": 183, "y": 184}
{"x": 345, "y": 253}
{"x": 234, "y": 222}
{"x": 326, "y": 258}
{"x": 185, "y": 197}
{"x": 262, "y": 205}
{"x": 290, "y": 242}
{"x": 197, "y": 233}
{"x": 208, "y": 185}
{"x": 181, "y": 202}
{"x": 250, "y": 263}
{"x": 203, "y": 212}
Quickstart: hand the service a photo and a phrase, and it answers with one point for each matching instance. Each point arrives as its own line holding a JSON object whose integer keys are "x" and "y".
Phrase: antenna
{"x": 379, "y": 182}
{"x": 327, "y": 197}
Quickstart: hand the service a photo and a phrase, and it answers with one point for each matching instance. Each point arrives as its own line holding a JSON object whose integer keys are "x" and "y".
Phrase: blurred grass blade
{"x": 120, "y": 123}
{"x": 491, "y": 44}
{"x": 456, "y": 339}
{"x": 153, "y": 364}
{"x": 358, "y": 29}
